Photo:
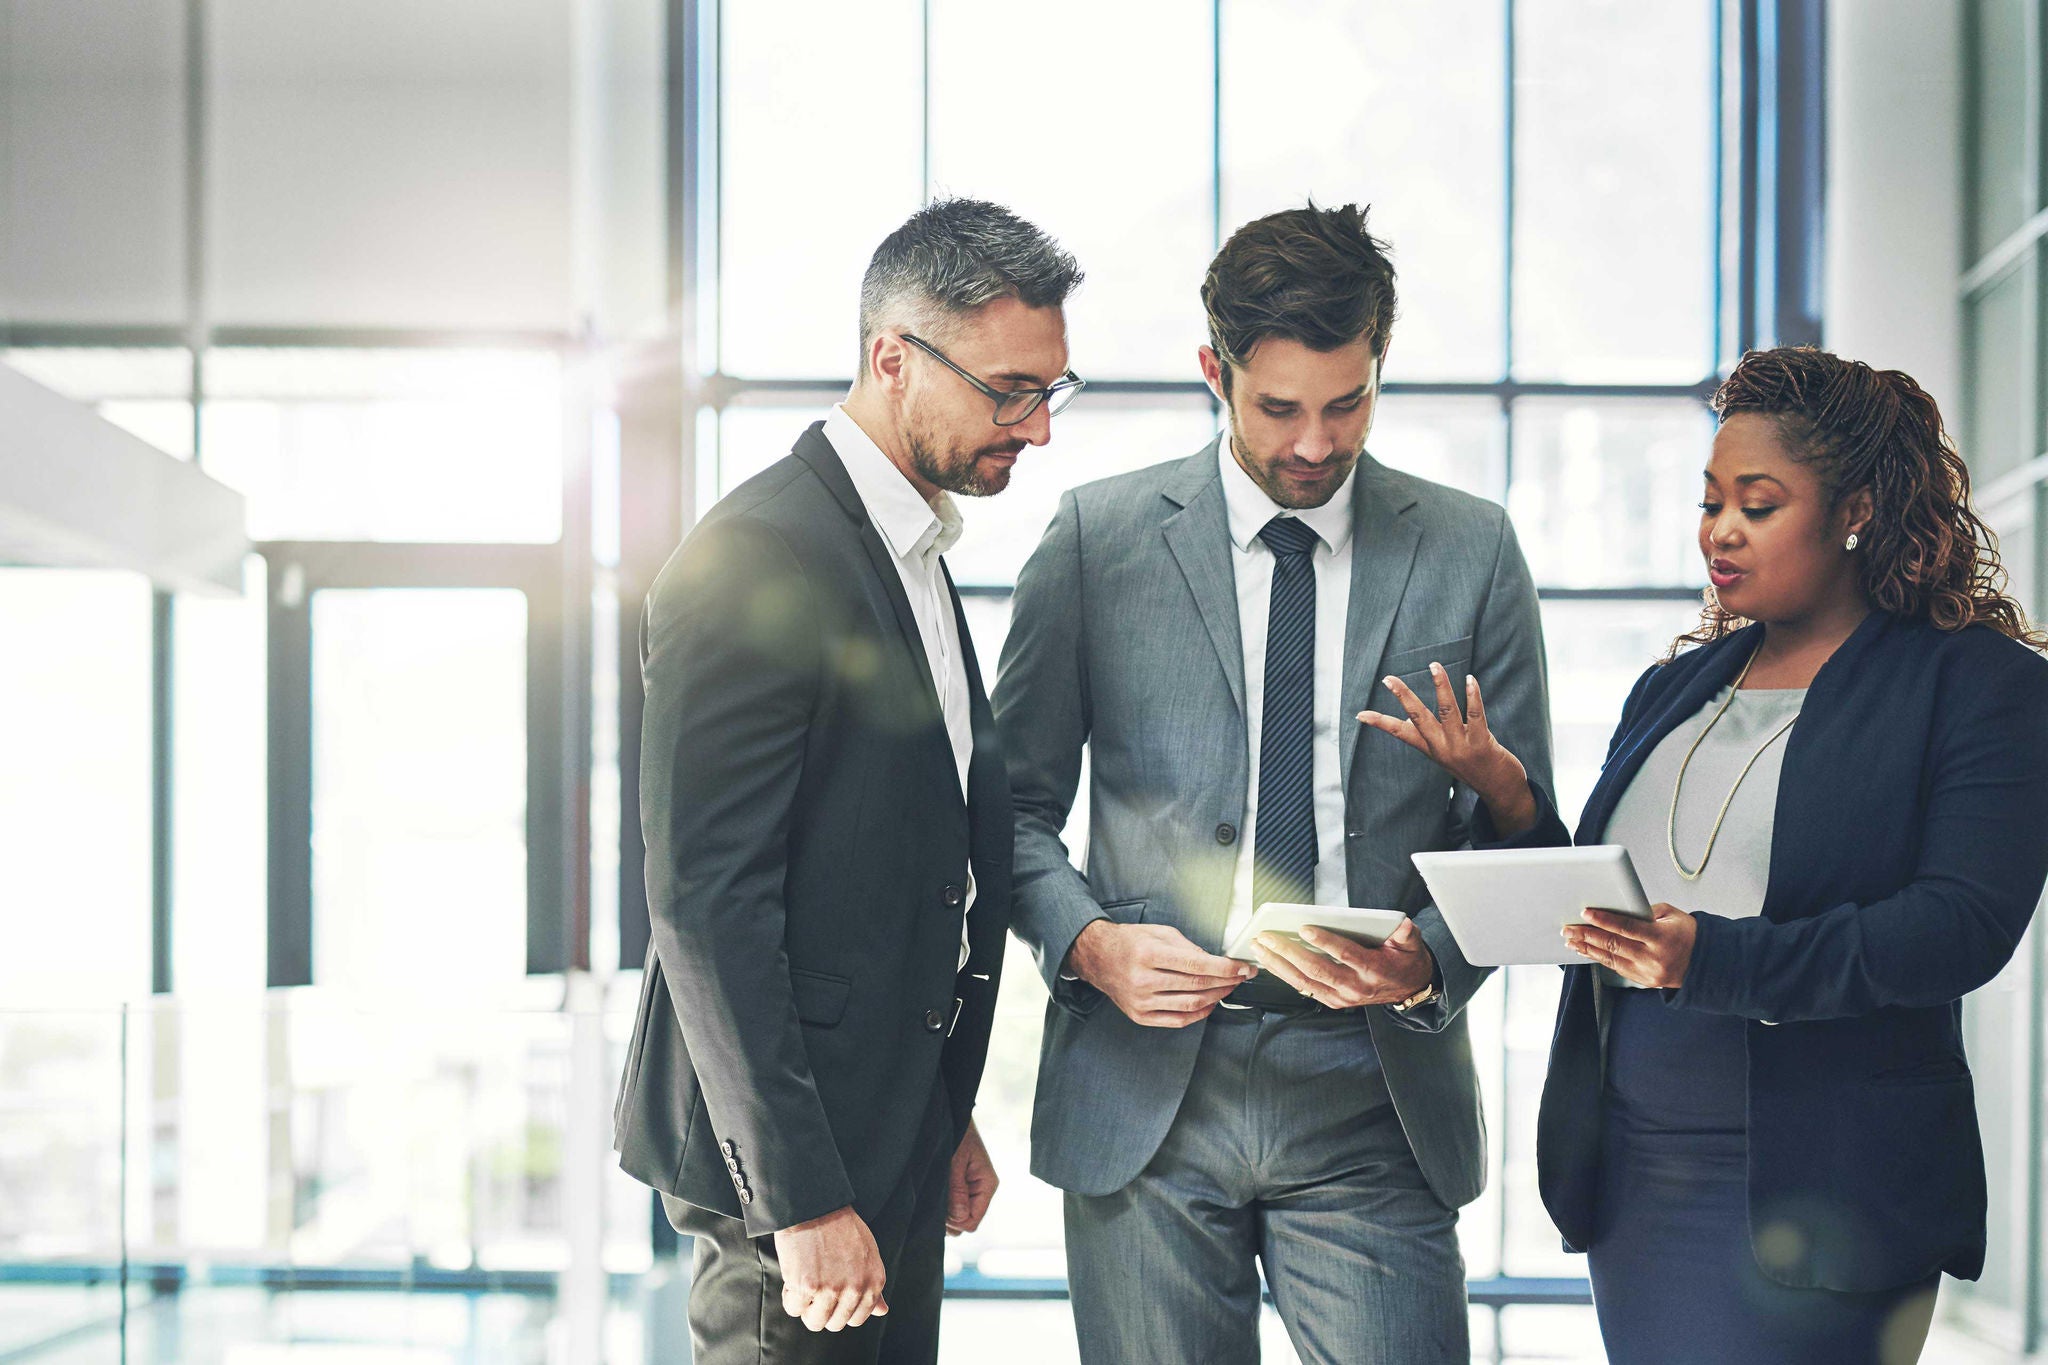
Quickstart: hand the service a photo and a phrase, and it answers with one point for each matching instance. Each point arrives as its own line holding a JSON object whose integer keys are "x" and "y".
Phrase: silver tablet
{"x": 1369, "y": 927}
{"x": 1505, "y": 906}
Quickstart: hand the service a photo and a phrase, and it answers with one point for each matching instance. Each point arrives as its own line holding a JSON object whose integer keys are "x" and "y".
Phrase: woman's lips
{"x": 1722, "y": 574}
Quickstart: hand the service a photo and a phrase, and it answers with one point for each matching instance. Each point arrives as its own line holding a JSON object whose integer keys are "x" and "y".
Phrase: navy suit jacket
{"x": 1909, "y": 850}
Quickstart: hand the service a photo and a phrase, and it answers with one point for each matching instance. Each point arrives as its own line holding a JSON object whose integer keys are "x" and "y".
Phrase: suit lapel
{"x": 1383, "y": 545}
{"x": 1198, "y": 535}
{"x": 991, "y": 825}
{"x": 816, "y": 451}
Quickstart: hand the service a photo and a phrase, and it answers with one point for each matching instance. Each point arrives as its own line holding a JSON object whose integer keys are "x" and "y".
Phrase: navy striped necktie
{"x": 1284, "y": 837}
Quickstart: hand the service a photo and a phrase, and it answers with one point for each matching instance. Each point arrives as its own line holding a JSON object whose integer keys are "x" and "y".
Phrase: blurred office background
{"x": 361, "y": 363}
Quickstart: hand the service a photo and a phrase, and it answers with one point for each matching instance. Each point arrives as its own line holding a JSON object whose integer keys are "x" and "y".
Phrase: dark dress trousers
{"x": 1909, "y": 849}
{"x": 806, "y": 1038}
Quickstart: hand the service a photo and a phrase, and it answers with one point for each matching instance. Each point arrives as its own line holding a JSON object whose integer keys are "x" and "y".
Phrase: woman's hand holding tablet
{"x": 1506, "y": 906}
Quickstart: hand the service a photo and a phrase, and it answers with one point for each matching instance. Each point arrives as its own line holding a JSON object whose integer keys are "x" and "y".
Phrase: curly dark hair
{"x": 1926, "y": 555}
{"x": 1311, "y": 275}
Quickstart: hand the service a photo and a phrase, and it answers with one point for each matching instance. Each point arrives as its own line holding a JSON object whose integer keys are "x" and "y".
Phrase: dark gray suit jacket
{"x": 807, "y": 855}
{"x": 1124, "y": 640}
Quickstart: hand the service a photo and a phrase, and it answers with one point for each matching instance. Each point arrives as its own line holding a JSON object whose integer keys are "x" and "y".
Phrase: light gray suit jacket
{"x": 1124, "y": 639}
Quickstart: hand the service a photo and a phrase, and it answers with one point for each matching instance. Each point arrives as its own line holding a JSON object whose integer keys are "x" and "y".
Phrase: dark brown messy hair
{"x": 1310, "y": 275}
{"x": 1925, "y": 555}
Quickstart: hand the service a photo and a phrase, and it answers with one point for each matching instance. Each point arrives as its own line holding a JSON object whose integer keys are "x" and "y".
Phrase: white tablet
{"x": 1369, "y": 927}
{"x": 1505, "y": 906}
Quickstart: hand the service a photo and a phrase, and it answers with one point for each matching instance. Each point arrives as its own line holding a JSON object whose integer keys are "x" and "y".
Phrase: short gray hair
{"x": 952, "y": 257}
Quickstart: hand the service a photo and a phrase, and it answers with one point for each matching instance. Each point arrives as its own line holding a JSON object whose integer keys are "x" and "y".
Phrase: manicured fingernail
{"x": 1471, "y": 680}
{"x": 1436, "y": 667}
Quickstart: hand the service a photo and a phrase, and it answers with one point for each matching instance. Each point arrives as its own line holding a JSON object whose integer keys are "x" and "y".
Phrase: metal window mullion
{"x": 162, "y": 788}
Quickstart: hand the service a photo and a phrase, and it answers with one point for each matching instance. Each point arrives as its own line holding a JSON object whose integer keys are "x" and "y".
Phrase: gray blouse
{"x": 1735, "y": 878}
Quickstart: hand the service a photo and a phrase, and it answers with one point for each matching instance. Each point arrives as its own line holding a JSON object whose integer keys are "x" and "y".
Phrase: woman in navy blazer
{"x": 1772, "y": 1154}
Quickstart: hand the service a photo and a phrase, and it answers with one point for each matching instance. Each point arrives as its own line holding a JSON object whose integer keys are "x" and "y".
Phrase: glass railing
{"x": 178, "y": 1177}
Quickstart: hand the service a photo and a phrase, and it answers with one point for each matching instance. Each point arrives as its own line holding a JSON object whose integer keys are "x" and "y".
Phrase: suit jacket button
{"x": 746, "y": 1196}
{"x": 725, "y": 1147}
{"x": 1226, "y": 834}
{"x": 951, "y": 897}
{"x": 933, "y": 1021}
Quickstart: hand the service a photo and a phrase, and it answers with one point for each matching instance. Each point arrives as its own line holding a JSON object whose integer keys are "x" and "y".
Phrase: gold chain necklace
{"x": 1671, "y": 829}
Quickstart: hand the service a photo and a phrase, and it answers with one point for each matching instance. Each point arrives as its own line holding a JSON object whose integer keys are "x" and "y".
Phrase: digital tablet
{"x": 1368, "y": 927}
{"x": 1505, "y": 906}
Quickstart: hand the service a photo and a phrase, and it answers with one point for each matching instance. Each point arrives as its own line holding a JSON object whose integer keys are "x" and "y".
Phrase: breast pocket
{"x": 1411, "y": 666}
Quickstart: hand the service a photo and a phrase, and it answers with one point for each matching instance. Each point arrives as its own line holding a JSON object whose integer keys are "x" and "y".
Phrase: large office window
{"x": 1550, "y": 176}
{"x": 2003, "y": 433}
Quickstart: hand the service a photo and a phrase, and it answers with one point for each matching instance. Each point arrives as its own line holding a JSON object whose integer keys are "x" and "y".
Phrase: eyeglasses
{"x": 1012, "y": 405}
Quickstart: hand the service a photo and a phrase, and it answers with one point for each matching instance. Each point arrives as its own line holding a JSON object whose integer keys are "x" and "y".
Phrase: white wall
{"x": 1895, "y": 189}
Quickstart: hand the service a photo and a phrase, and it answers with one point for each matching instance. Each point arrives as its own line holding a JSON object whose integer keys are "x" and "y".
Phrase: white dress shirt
{"x": 1252, "y": 563}
{"x": 917, "y": 533}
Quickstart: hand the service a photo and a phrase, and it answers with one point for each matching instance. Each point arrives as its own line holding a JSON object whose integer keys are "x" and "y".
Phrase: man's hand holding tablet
{"x": 1341, "y": 957}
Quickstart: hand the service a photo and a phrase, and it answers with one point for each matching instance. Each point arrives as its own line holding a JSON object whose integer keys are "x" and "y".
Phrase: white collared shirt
{"x": 916, "y": 533}
{"x": 1249, "y": 510}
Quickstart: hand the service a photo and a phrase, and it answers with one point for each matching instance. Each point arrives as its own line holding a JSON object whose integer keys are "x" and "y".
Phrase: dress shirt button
{"x": 933, "y": 1021}
{"x": 951, "y": 898}
{"x": 1226, "y": 834}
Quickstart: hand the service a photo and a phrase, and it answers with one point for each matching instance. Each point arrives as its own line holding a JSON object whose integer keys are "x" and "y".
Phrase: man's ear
{"x": 1212, "y": 373}
{"x": 886, "y": 357}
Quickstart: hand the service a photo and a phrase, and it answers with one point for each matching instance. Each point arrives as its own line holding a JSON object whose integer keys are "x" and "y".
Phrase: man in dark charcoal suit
{"x": 828, "y": 824}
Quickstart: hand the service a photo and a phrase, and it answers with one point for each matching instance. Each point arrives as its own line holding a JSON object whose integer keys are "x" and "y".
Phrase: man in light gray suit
{"x": 1208, "y": 629}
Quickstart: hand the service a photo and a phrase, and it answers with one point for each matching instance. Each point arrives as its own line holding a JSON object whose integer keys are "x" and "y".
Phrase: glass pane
{"x": 1090, "y": 441}
{"x": 392, "y": 445}
{"x": 60, "y": 1179}
{"x": 1614, "y": 192}
{"x": 419, "y": 789}
{"x": 95, "y": 374}
{"x": 144, "y": 391}
{"x": 1394, "y": 104}
{"x": 1999, "y": 119}
{"x": 392, "y": 164}
{"x": 1533, "y": 1331}
{"x": 74, "y": 787}
{"x": 751, "y": 437}
{"x": 1458, "y": 441}
{"x": 92, "y": 221}
{"x": 1596, "y": 651}
{"x": 220, "y": 787}
{"x": 1059, "y": 162}
{"x": 1606, "y": 492}
{"x": 424, "y": 1136}
{"x": 1995, "y": 1030}
{"x": 819, "y": 158}
{"x": 1023, "y": 1235}
{"x": 1996, "y": 435}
